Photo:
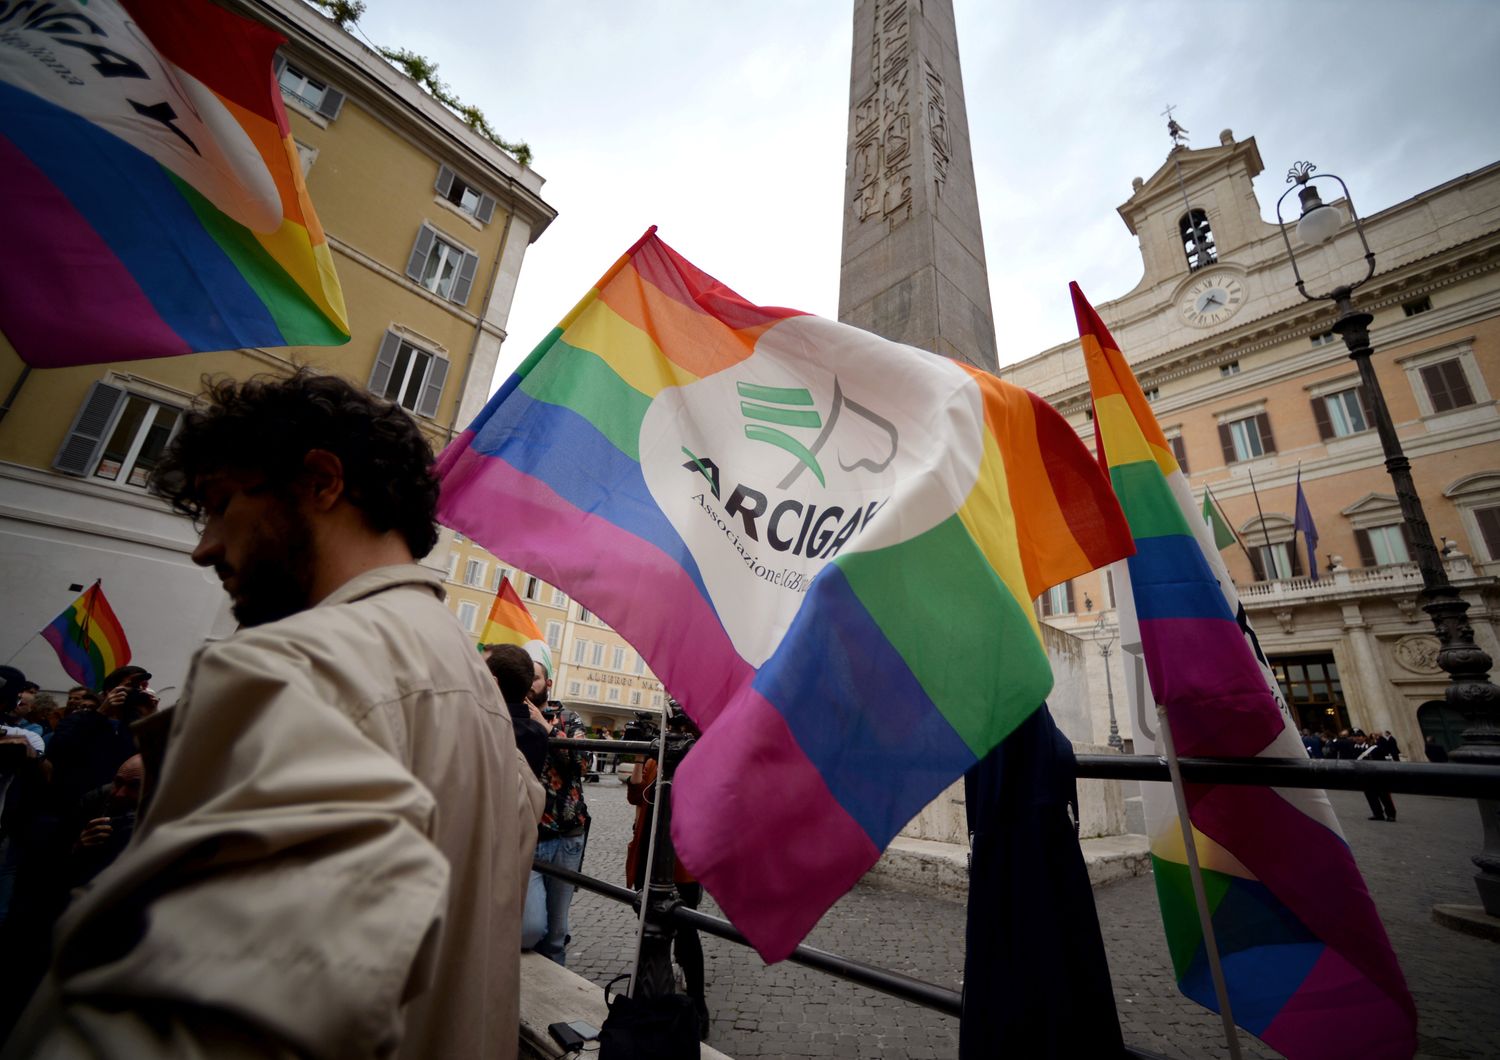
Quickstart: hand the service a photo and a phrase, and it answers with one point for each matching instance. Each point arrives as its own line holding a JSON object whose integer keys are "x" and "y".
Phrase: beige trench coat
{"x": 331, "y": 863}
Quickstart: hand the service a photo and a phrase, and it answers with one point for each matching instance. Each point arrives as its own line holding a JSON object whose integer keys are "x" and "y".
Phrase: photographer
{"x": 563, "y": 831}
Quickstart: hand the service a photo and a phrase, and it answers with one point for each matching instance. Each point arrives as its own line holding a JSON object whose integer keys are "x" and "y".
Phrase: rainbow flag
{"x": 88, "y": 638}
{"x": 511, "y": 623}
{"x": 154, "y": 200}
{"x": 825, "y": 543}
{"x": 1308, "y": 966}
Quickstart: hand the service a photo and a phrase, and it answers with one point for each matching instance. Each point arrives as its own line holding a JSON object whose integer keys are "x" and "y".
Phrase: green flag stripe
{"x": 957, "y": 627}
{"x": 1179, "y": 909}
{"x": 1149, "y": 506}
{"x": 580, "y": 380}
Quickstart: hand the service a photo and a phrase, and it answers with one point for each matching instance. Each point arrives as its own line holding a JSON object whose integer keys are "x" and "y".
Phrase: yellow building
{"x": 599, "y": 674}
{"x": 428, "y": 223}
{"x": 1248, "y": 382}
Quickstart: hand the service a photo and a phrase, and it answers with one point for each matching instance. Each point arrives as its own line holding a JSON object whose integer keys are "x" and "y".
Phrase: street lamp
{"x": 1109, "y": 686}
{"x": 1470, "y": 690}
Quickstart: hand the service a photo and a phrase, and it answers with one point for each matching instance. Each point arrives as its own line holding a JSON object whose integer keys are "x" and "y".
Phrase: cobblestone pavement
{"x": 784, "y": 1010}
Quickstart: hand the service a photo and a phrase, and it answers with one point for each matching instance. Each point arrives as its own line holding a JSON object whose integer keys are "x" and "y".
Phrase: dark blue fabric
{"x": 1036, "y": 978}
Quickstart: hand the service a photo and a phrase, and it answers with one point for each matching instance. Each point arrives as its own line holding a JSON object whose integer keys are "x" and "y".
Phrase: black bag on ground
{"x": 656, "y": 1028}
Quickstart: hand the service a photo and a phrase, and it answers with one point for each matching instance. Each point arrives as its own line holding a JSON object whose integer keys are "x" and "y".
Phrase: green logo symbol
{"x": 786, "y": 407}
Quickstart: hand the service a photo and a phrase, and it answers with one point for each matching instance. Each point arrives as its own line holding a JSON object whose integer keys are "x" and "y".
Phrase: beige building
{"x": 599, "y": 674}
{"x": 1248, "y": 383}
{"x": 428, "y": 223}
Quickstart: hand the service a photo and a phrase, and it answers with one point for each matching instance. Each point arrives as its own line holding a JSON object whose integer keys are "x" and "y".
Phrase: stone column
{"x": 913, "y": 266}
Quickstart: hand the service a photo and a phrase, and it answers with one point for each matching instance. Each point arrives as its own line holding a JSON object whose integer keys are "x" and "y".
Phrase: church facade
{"x": 1253, "y": 390}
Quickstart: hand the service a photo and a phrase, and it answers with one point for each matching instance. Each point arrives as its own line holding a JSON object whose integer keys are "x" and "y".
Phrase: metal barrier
{"x": 665, "y": 910}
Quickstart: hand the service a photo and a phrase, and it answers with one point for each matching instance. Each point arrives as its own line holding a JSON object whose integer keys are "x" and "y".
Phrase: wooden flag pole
{"x": 1200, "y": 896}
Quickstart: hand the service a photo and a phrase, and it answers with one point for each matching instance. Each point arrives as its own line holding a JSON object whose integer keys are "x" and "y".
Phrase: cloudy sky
{"x": 725, "y": 125}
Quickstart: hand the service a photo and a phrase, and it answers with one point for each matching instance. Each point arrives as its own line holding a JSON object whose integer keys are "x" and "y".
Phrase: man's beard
{"x": 274, "y": 580}
{"x": 537, "y": 698}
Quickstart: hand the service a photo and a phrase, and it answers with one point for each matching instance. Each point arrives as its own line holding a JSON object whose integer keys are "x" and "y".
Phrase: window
{"x": 464, "y": 195}
{"x": 559, "y": 598}
{"x": 1153, "y": 393}
{"x": 474, "y": 572}
{"x": 1379, "y": 545}
{"x": 656, "y": 699}
{"x": 580, "y": 650}
{"x": 1275, "y": 561}
{"x": 1447, "y": 386}
{"x": 596, "y": 656}
{"x": 135, "y": 446}
{"x": 533, "y": 587}
{"x": 592, "y": 691}
{"x": 1488, "y": 520}
{"x": 617, "y": 659}
{"x": 1227, "y": 370}
{"x": 1057, "y": 600}
{"x": 640, "y": 665}
{"x": 468, "y": 614}
{"x": 452, "y": 565}
{"x": 1247, "y": 438}
{"x": 500, "y": 576}
{"x": 1197, "y": 240}
{"x": 1477, "y": 498}
{"x": 1342, "y": 413}
{"x": 583, "y": 614}
{"x": 1179, "y": 450}
{"x": 442, "y": 266}
{"x": 308, "y": 91}
{"x": 411, "y": 377}
{"x": 554, "y": 635}
{"x": 635, "y": 699}
{"x": 1416, "y": 305}
{"x": 574, "y": 688}
{"x": 1325, "y": 338}
{"x": 614, "y": 694}
{"x": 458, "y": 537}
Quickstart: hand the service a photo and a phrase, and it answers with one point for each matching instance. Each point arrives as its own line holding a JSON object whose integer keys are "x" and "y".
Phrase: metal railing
{"x": 665, "y": 910}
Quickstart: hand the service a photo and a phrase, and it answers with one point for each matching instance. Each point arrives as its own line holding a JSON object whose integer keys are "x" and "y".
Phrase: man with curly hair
{"x": 336, "y": 827}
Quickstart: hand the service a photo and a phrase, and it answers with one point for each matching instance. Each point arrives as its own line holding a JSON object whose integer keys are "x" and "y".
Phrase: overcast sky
{"x": 725, "y": 125}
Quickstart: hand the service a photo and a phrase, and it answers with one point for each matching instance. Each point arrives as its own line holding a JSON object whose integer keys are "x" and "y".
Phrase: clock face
{"x": 1212, "y": 300}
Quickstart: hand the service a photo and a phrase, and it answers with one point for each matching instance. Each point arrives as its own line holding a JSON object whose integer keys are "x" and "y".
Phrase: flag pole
{"x": 640, "y": 928}
{"x": 1235, "y": 533}
{"x": 22, "y": 648}
{"x": 1200, "y": 896}
{"x": 1270, "y": 554}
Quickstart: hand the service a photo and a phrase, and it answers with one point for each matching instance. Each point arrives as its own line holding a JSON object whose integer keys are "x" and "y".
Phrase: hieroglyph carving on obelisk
{"x": 913, "y": 261}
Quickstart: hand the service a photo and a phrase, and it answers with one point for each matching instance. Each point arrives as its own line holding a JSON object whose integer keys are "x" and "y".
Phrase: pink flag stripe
{"x": 42, "y": 215}
{"x": 1335, "y": 1013}
{"x": 772, "y": 799}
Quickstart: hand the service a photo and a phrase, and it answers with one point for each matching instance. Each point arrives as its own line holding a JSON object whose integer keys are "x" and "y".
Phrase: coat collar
{"x": 382, "y": 578}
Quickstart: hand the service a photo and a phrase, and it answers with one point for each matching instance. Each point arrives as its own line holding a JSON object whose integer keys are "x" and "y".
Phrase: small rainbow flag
{"x": 88, "y": 638}
{"x": 154, "y": 200}
{"x": 511, "y": 623}
{"x": 1308, "y": 967}
{"x": 825, "y": 543}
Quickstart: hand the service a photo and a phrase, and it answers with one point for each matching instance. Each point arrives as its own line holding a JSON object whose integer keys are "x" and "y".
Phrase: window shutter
{"x": 1257, "y": 565}
{"x": 1411, "y": 553}
{"x": 1296, "y": 556}
{"x": 278, "y": 64}
{"x": 1109, "y": 579}
{"x": 1366, "y": 405}
{"x": 444, "y": 181}
{"x": 1263, "y": 425}
{"x": 1040, "y": 606}
{"x": 465, "y": 278}
{"x": 1489, "y": 530}
{"x": 1072, "y": 609}
{"x": 1366, "y": 551}
{"x": 1179, "y": 450}
{"x": 1458, "y": 384}
{"x": 1320, "y": 415}
{"x": 1226, "y": 442}
{"x": 419, "y": 253}
{"x": 1447, "y": 386}
{"x": 385, "y": 360}
{"x": 81, "y": 444}
{"x": 333, "y": 102}
{"x": 486, "y": 209}
{"x": 432, "y": 390}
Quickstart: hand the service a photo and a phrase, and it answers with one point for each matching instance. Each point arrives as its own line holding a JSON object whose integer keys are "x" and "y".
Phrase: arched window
{"x": 1197, "y": 240}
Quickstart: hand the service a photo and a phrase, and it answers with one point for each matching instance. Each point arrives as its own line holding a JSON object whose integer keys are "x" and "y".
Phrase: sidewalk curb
{"x": 923, "y": 866}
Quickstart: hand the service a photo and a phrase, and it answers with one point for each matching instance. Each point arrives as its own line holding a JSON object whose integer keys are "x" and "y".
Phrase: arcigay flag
{"x": 825, "y": 544}
{"x": 88, "y": 638}
{"x": 1309, "y": 968}
{"x": 153, "y": 196}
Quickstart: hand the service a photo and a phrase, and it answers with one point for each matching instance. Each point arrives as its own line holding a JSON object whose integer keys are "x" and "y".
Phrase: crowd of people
{"x": 1357, "y": 745}
{"x": 325, "y": 846}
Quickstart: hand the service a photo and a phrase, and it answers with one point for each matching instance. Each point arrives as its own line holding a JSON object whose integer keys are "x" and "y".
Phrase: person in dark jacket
{"x": 512, "y": 670}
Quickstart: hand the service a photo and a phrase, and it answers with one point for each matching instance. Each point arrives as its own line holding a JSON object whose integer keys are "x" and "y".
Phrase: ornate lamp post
{"x": 1109, "y": 685}
{"x": 1470, "y": 690}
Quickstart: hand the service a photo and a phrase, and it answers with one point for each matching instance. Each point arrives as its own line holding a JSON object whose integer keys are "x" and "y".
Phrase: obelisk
{"x": 913, "y": 263}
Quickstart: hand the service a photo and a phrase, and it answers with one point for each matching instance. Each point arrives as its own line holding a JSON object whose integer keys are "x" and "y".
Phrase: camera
{"x": 642, "y": 728}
